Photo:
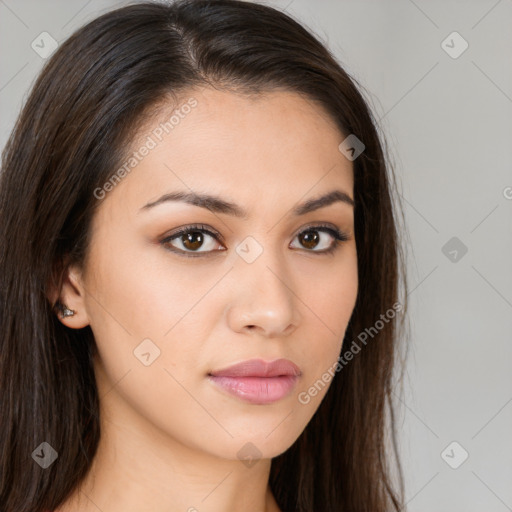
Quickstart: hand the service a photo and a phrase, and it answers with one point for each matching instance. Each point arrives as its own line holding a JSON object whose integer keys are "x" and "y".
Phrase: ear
{"x": 70, "y": 292}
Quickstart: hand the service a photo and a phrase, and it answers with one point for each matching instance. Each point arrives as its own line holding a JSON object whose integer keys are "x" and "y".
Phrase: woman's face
{"x": 167, "y": 311}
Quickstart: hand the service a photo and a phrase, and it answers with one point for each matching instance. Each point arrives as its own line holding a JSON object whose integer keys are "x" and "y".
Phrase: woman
{"x": 200, "y": 273}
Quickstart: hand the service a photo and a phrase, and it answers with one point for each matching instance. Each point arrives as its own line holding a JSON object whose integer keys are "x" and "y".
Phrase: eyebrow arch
{"x": 219, "y": 205}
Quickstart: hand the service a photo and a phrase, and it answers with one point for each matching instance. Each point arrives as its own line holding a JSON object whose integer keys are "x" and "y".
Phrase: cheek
{"x": 143, "y": 313}
{"x": 329, "y": 306}
{"x": 140, "y": 290}
{"x": 141, "y": 303}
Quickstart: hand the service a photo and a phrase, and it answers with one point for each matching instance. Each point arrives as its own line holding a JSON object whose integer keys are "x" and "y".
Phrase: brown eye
{"x": 311, "y": 239}
{"x": 192, "y": 241}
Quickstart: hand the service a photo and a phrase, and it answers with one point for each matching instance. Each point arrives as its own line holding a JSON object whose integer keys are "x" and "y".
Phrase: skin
{"x": 169, "y": 436}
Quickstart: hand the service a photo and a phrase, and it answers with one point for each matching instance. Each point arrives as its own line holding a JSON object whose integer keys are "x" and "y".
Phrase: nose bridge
{"x": 263, "y": 295}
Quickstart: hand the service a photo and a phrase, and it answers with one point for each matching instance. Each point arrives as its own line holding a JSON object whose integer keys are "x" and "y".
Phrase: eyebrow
{"x": 218, "y": 205}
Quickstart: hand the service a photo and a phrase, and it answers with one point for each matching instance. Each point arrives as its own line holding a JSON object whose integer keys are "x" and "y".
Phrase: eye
{"x": 191, "y": 239}
{"x": 310, "y": 239}
{"x": 195, "y": 240}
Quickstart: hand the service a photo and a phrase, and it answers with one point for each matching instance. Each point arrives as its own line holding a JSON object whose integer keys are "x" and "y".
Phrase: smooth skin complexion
{"x": 170, "y": 436}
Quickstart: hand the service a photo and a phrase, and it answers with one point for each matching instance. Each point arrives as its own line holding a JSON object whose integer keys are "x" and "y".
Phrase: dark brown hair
{"x": 72, "y": 133}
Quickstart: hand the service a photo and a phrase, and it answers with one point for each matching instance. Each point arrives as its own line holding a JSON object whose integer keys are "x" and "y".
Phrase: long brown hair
{"x": 71, "y": 135}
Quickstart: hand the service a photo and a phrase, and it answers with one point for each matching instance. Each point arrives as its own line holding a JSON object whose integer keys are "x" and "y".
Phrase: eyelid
{"x": 193, "y": 227}
{"x": 320, "y": 224}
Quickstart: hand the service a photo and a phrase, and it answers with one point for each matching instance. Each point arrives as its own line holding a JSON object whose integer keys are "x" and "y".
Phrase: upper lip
{"x": 259, "y": 368}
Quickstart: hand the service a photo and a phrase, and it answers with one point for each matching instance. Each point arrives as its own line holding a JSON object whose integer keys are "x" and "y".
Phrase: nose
{"x": 263, "y": 300}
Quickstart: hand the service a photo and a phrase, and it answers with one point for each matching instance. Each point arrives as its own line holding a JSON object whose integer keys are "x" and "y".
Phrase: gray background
{"x": 449, "y": 125}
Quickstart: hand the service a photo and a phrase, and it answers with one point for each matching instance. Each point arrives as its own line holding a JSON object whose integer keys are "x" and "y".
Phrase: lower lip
{"x": 257, "y": 390}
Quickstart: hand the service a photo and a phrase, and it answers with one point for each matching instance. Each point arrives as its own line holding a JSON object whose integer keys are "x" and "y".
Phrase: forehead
{"x": 260, "y": 150}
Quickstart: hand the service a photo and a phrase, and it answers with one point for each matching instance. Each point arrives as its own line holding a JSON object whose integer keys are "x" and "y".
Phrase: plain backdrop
{"x": 438, "y": 75}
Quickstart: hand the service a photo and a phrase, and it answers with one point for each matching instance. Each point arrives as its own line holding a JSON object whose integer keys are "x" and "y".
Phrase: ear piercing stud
{"x": 64, "y": 310}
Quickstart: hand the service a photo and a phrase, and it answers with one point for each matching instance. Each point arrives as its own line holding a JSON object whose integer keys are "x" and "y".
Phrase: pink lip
{"x": 257, "y": 381}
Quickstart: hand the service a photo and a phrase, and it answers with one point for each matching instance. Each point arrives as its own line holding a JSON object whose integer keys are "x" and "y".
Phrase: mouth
{"x": 256, "y": 381}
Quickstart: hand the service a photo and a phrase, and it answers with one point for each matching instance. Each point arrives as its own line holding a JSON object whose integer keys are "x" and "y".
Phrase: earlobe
{"x": 69, "y": 302}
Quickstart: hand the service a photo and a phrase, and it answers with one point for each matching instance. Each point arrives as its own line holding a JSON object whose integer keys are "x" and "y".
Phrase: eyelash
{"x": 338, "y": 236}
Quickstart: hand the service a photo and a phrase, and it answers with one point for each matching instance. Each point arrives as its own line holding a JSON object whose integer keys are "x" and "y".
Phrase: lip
{"x": 259, "y": 368}
{"x": 257, "y": 381}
